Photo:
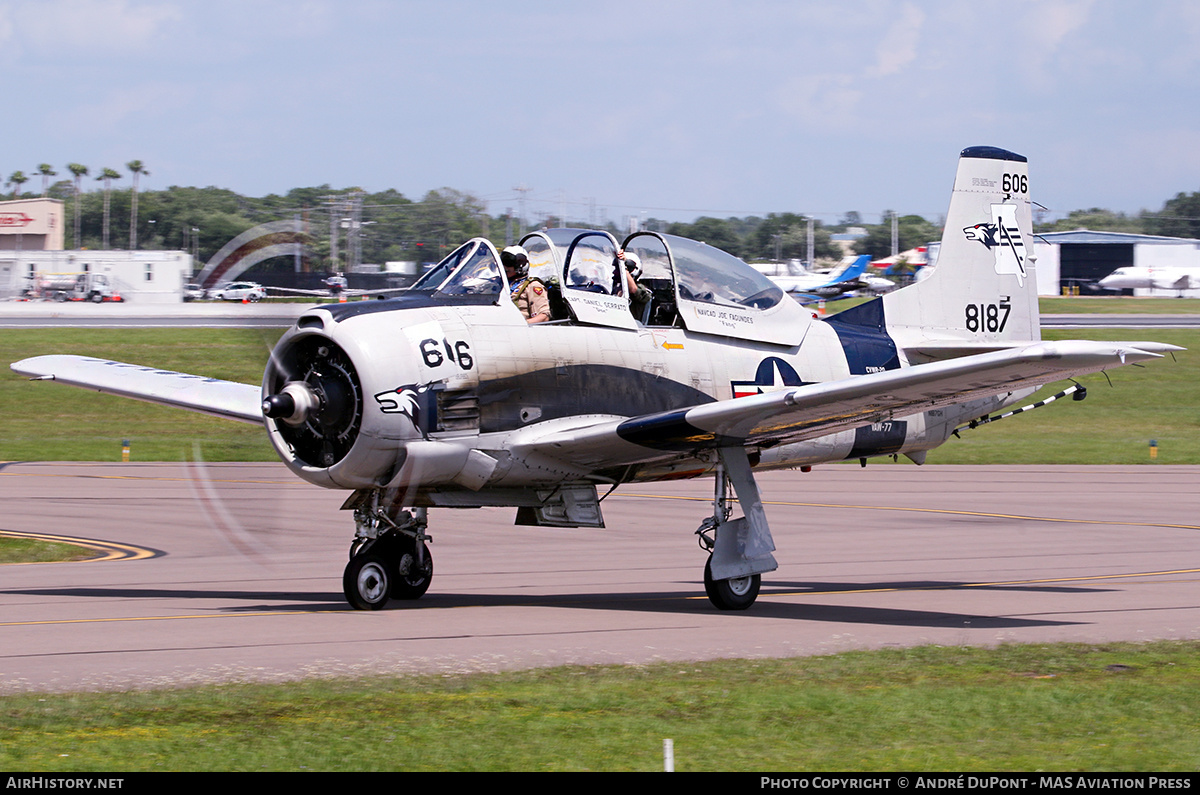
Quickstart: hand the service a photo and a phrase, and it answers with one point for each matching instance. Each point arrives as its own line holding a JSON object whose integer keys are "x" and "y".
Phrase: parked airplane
{"x": 844, "y": 279}
{"x": 446, "y": 397}
{"x": 1131, "y": 278}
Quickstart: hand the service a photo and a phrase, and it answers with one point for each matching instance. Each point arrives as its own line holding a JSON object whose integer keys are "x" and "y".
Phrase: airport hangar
{"x": 1082, "y": 258}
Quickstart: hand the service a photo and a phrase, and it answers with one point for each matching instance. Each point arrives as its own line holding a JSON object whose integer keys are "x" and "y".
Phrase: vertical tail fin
{"x": 983, "y": 288}
{"x": 855, "y": 269}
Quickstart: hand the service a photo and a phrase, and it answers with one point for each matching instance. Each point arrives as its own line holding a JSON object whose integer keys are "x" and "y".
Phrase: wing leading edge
{"x": 814, "y": 410}
{"x": 213, "y": 396}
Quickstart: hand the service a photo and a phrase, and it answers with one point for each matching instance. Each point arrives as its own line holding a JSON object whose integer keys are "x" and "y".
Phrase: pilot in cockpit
{"x": 528, "y": 293}
{"x": 639, "y": 296}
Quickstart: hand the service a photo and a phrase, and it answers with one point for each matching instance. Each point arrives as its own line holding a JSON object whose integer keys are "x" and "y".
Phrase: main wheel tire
{"x": 736, "y": 594}
{"x": 412, "y": 582}
{"x": 368, "y": 581}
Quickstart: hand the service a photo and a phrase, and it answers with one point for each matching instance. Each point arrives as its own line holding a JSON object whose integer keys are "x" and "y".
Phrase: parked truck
{"x": 94, "y": 287}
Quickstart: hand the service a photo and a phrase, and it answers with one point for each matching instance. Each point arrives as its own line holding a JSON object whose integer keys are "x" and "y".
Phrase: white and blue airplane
{"x": 815, "y": 286}
{"x": 446, "y": 398}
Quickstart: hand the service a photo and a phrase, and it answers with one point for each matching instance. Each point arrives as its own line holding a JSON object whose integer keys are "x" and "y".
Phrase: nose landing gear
{"x": 388, "y": 559}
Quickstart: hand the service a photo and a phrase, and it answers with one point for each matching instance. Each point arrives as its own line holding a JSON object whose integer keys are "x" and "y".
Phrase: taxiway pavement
{"x": 239, "y": 573}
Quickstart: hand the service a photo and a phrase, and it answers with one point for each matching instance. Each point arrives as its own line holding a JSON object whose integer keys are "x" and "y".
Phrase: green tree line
{"x": 393, "y": 227}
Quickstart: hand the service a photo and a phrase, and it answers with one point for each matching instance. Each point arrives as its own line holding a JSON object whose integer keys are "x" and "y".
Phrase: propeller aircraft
{"x": 444, "y": 397}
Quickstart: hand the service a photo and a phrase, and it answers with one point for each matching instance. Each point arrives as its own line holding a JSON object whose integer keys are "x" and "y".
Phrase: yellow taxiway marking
{"x": 109, "y": 550}
{"x": 947, "y": 511}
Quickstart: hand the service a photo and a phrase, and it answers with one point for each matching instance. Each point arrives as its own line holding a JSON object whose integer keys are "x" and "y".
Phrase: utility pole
{"x": 811, "y": 242}
{"x": 335, "y": 210}
{"x": 522, "y": 189}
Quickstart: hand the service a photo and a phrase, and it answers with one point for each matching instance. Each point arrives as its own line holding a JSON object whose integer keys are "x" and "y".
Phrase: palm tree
{"x": 17, "y": 179}
{"x": 80, "y": 171}
{"x": 47, "y": 171}
{"x": 108, "y": 175}
{"x": 135, "y": 168}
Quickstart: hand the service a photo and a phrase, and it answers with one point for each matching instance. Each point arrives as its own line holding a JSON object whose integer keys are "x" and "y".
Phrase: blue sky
{"x": 665, "y": 109}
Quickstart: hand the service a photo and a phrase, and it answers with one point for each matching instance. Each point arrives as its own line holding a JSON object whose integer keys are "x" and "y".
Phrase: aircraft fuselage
{"x": 456, "y": 379}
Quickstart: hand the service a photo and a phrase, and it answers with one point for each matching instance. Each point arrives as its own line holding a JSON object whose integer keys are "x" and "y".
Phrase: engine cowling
{"x": 318, "y": 417}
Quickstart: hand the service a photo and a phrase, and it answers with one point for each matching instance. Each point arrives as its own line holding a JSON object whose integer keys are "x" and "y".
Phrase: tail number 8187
{"x": 988, "y": 317}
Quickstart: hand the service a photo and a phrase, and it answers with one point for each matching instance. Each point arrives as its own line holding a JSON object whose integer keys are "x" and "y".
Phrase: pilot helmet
{"x": 633, "y": 264}
{"x": 517, "y": 258}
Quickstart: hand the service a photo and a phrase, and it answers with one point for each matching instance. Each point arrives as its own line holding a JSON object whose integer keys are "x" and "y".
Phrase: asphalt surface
{"x": 233, "y": 572}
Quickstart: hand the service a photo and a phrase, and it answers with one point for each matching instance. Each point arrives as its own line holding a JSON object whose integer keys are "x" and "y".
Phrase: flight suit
{"x": 530, "y": 297}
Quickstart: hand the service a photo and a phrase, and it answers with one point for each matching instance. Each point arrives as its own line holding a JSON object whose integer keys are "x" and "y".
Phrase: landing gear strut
{"x": 739, "y": 549}
{"x": 388, "y": 559}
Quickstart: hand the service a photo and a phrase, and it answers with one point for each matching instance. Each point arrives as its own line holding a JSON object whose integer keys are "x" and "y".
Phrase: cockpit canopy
{"x": 471, "y": 269}
{"x": 703, "y": 273}
{"x": 681, "y": 282}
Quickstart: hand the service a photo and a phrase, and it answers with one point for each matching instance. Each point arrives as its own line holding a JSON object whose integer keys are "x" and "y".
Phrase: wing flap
{"x": 213, "y": 396}
{"x": 815, "y": 410}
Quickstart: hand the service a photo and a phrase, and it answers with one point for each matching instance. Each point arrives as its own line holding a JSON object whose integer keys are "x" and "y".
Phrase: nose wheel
{"x": 367, "y": 582}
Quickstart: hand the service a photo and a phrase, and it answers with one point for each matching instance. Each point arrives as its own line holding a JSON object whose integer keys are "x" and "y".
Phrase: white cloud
{"x": 898, "y": 48}
{"x": 88, "y": 27}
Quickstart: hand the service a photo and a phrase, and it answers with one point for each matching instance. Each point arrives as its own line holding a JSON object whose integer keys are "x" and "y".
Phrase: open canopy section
{"x": 708, "y": 290}
{"x": 472, "y": 269}
{"x": 583, "y": 264}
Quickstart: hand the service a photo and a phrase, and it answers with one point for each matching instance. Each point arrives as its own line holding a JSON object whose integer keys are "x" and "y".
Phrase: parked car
{"x": 239, "y": 291}
{"x": 194, "y": 292}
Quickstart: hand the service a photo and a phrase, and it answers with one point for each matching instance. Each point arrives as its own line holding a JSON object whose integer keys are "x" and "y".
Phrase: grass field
{"x": 1116, "y": 707}
{"x": 1114, "y": 306}
{"x": 28, "y": 550}
{"x": 47, "y": 422}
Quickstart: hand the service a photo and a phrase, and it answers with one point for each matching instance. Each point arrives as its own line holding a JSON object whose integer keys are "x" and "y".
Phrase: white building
{"x": 142, "y": 277}
{"x": 31, "y": 251}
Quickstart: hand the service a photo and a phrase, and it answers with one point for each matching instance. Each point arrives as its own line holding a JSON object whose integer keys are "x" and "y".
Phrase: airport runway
{"x": 233, "y": 572}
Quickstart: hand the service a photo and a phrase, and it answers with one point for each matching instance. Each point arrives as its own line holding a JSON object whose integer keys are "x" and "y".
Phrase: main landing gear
{"x": 388, "y": 559}
{"x": 736, "y": 593}
{"x": 739, "y": 549}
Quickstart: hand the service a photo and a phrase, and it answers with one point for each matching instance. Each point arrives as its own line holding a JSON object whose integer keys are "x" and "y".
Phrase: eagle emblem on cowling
{"x": 404, "y": 400}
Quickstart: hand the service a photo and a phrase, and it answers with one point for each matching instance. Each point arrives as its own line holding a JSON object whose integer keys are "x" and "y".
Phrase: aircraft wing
{"x": 298, "y": 291}
{"x": 814, "y": 410}
{"x": 347, "y": 292}
{"x": 227, "y": 399}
